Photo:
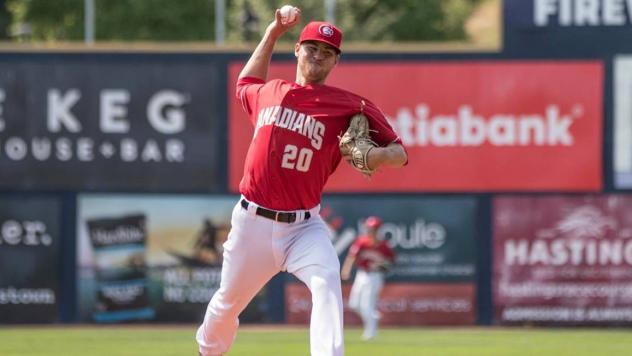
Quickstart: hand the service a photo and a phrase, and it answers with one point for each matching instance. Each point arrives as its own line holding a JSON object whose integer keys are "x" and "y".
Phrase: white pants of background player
{"x": 258, "y": 248}
{"x": 363, "y": 299}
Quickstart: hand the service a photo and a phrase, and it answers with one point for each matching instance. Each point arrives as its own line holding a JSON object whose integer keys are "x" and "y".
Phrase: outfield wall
{"x": 118, "y": 173}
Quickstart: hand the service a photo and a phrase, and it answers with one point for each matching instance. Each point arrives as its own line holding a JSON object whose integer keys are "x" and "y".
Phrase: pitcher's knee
{"x": 326, "y": 280}
{"x": 221, "y": 309}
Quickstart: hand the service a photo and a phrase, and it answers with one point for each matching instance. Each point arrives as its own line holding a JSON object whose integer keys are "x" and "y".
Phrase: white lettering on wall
{"x": 24, "y": 233}
{"x": 165, "y": 113}
{"x": 582, "y": 12}
{"x": 467, "y": 128}
{"x": 113, "y": 111}
{"x": 59, "y": 114}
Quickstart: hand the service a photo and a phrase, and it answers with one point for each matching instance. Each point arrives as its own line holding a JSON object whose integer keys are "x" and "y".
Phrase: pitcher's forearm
{"x": 259, "y": 62}
{"x": 392, "y": 155}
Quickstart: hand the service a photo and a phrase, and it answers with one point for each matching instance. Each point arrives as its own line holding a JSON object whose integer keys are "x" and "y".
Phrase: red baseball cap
{"x": 373, "y": 222}
{"x": 323, "y": 32}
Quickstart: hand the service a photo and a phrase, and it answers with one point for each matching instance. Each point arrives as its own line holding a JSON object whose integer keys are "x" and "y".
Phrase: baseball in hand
{"x": 288, "y": 14}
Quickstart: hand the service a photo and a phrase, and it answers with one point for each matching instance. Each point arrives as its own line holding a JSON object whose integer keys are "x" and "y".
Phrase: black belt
{"x": 275, "y": 215}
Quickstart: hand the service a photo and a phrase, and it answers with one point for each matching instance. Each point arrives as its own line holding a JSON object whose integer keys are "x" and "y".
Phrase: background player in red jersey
{"x": 373, "y": 258}
{"x": 276, "y": 224}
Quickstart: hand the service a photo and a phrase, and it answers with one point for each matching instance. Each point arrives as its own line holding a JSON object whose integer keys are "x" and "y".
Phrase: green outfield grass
{"x": 165, "y": 340}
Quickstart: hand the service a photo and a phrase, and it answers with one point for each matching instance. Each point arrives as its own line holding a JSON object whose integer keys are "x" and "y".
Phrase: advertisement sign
{"x": 563, "y": 27}
{"x": 464, "y": 123}
{"x": 96, "y": 125}
{"x": 29, "y": 259}
{"x": 151, "y": 257}
{"x": 119, "y": 251}
{"x": 563, "y": 259}
{"x": 434, "y": 239}
{"x": 401, "y": 304}
{"x": 622, "y": 122}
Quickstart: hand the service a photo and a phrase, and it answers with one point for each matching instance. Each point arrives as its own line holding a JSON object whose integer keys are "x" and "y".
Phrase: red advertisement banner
{"x": 400, "y": 304}
{"x": 563, "y": 260}
{"x": 468, "y": 126}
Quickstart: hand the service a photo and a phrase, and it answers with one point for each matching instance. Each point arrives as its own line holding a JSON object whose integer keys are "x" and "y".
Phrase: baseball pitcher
{"x": 297, "y": 144}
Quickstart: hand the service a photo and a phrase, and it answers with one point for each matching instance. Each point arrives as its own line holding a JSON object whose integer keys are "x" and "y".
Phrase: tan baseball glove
{"x": 355, "y": 144}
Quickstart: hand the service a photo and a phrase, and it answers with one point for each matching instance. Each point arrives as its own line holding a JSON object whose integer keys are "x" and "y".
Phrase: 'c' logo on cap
{"x": 326, "y": 30}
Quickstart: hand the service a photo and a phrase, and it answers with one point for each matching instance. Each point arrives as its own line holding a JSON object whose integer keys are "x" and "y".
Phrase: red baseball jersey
{"x": 294, "y": 149}
{"x": 368, "y": 255}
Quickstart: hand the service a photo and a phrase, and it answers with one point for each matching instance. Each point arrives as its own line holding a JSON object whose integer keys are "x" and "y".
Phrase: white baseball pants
{"x": 258, "y": 248}
{"x": 363, "y": 299}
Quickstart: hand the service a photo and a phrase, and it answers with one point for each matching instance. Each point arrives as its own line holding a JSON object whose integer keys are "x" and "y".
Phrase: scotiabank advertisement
{"x": 563, "y": 260}
{"x": 468, "y": 126}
